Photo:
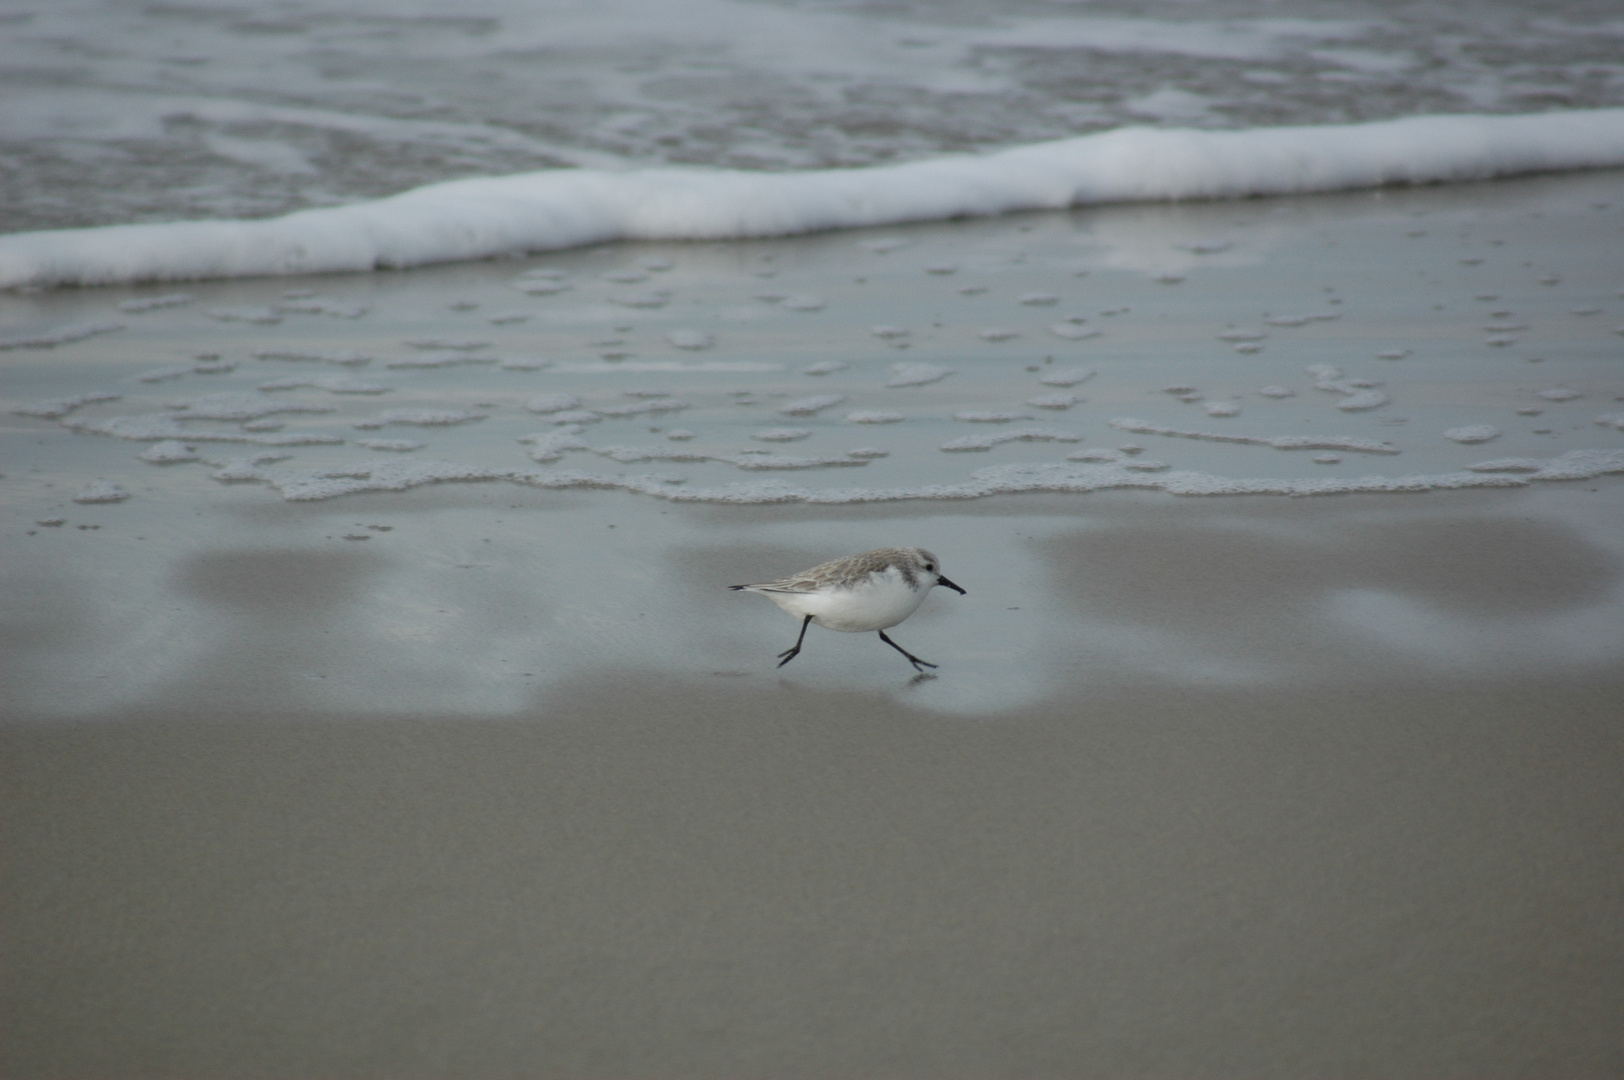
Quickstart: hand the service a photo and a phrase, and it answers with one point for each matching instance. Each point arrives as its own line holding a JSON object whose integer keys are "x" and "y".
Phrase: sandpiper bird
{"x": 859, "y": 593}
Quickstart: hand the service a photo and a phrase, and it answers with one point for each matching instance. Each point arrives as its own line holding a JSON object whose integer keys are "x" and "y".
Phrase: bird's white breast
{"x": 875, "y": 603}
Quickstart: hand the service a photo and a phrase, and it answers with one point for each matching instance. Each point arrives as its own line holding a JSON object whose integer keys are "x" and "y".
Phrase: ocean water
{"x": 122, "y": 111}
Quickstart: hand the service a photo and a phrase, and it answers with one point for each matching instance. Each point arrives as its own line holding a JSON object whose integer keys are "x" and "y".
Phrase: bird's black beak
{"x": 943, "y": 581}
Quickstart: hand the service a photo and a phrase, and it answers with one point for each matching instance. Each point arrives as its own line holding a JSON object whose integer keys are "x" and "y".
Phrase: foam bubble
{"x": 1473, "y": 433}
{"x": 825, "y": 367}
{"x": 809, "y": 406}
{"x": 101, "y": 491}
{"x": 1560, "y": 393}
{"x": 781, "y": 434}
{"x": 1067, "y": 378}
{"x": 916, "y": 374}
{"x": 1222, "y": 408}
{"x": 169, "y": 452}
{"x": 1358, "y": 394}
{"x": 803, "y": 302}
{"x": 1057, "y": 400}
{"x": 999, "y": 334}
{"x": 874, "y": 416}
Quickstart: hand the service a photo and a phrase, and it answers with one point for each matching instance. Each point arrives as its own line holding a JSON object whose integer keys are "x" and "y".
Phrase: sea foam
{"x": 1076, "y": 477}
{"x": 487, "y": 216}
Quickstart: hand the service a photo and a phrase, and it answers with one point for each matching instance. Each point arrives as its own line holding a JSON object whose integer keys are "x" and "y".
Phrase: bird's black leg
{"x": 789, "y": 654}
{"x": 912, "y": 659}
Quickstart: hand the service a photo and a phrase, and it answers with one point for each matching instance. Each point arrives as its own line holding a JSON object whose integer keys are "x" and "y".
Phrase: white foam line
{"x": 1279, "y": 442}
{"x": 481, "y": 217}
{"x": 398, "y": 475}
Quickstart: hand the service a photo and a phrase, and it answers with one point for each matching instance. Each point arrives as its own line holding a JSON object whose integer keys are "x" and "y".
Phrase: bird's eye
{"x": 930, "y": 567}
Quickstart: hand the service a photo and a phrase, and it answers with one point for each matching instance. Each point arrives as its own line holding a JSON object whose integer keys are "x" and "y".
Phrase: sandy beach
{"x": 492, "y": 775}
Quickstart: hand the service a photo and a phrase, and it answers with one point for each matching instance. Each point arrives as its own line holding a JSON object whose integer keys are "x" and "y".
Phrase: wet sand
{"x": 1273, "y": 844}
{"x": 490, "y": 778}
